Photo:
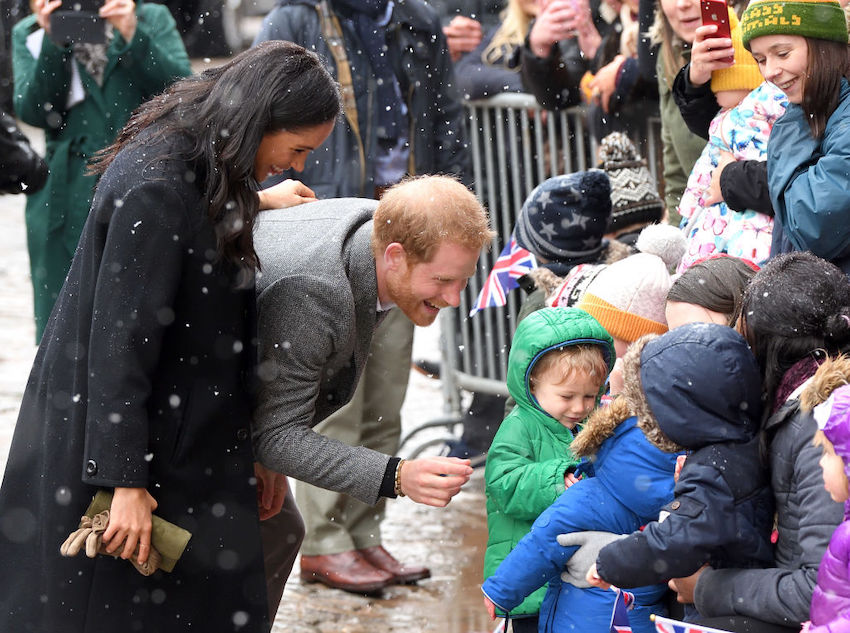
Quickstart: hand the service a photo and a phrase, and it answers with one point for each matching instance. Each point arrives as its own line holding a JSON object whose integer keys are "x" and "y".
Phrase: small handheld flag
{"x": 513, "y": 262}
{"x": 619, "y": 615}
{"x": 666, "y": 625}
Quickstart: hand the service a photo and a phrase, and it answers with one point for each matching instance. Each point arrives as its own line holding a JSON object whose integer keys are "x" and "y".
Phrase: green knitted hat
{"x": 820, "y": 19}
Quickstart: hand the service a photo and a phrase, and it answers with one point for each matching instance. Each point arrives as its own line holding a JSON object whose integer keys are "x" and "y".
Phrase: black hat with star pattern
{"x": 564, "y": 218}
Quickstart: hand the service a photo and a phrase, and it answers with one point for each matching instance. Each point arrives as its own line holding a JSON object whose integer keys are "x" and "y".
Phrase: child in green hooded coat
{"x": 557, "y": 370}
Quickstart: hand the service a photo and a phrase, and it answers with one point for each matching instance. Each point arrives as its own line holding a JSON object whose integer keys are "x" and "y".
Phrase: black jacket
{"x": 743, "y": 183}
{"x": 22, "y": 170}
{"x": 702, "y": 385}
{"x": 141, "y": 380}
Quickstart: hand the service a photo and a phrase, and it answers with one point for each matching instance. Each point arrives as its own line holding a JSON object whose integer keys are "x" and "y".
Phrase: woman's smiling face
{"x": 783, "y": 61}
{"x": 278, "y": 151}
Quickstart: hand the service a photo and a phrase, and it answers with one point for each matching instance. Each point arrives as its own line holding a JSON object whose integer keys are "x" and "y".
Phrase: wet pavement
{"x": 449, "y": 540}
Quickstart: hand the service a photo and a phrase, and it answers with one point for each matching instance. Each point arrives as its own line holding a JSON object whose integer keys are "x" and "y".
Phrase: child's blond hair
{"x": 569, "y": 359}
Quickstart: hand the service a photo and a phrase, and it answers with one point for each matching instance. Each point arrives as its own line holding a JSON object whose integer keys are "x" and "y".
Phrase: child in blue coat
{"x": 633, "y": 469}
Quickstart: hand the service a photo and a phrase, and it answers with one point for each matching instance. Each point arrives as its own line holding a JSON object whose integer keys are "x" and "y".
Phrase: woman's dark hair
{"x": 796, "y": 306}
{"x": 225, "y": 112}
{"x": 716, "y": 284}
{"x": 827, "y": 63}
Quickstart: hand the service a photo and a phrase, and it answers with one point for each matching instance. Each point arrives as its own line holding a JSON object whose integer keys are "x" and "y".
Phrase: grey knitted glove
{"x": 589, "y": 543}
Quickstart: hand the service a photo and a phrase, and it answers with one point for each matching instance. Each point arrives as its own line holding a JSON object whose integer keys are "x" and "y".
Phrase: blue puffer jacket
{"x": 702, "y": 386}
{"x": 633, "y": 480}
{"x": 808, "y": 180}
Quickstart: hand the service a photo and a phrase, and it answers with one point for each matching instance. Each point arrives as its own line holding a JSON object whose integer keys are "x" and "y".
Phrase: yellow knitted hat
{"x": 744, "y": 73}
{"x": 619, "y": 323}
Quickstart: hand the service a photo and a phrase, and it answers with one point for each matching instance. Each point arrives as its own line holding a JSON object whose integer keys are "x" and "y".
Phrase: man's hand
{"x": 462, "y": 36}
{"x": 584, "y": 559}
{"x": 272, "y": 488}
{"x": 433, "y": 481}
{"x": 684, "y": 587}
{"x": 288, "y": 193}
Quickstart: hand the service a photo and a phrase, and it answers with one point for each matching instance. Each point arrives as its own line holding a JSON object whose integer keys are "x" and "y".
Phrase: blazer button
{"x": 91, "y": 467}
{"x": 242, "y": 435}
{"x": 675, "y": 505}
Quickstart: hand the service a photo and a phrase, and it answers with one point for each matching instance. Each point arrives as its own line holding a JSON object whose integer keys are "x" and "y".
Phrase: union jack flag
{"x": 619, "y": 615}
{"x": 513, "y": 262}
{"x": 666, "y": 625}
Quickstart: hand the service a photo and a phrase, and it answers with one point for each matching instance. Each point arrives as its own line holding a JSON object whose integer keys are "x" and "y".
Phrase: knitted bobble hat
{"x": 818, "y": 19}
{"x": 634, "y": 196}
{"x": 744, "y": 74}
{"x": 564, "y": 218}
{"x": 629, "y": 297}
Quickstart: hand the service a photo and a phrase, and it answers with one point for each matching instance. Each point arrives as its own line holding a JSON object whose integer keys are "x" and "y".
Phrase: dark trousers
{"x": 282, "y": 536}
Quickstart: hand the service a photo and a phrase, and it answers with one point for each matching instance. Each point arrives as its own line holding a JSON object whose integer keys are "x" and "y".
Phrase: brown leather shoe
{"x": 402, "y": 574}
{"x": 348, "y": 571}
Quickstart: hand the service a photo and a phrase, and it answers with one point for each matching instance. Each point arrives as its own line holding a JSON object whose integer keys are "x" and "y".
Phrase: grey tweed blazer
{"x": 316, "y": 300}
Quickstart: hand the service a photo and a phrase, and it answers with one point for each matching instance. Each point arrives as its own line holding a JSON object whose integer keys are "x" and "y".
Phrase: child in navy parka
{"x": 702, "y": 386}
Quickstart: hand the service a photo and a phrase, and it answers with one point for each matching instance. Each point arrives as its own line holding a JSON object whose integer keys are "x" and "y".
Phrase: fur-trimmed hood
{"x": 696, "y": 385}
{"x": 833, "y": 373}
{"x": 830, "y": 385}
{"x": 633, "y": 470}
{"x": 632, "y": 402}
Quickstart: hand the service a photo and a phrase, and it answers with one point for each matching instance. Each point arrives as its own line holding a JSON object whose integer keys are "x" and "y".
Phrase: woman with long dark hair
{"x": 141, "y": 385}
{"x": 796, "y": 313}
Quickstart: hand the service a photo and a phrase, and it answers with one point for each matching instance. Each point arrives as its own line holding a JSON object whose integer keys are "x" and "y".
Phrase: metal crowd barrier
{"x": 515, "y": 145}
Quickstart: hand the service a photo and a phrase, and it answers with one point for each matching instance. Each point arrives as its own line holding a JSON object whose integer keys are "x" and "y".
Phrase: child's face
{"x": 834, "y": 477}
{"x": 568, "y": 400}
{"x": 728, "y": 99}
{"x": 783, "y": 60}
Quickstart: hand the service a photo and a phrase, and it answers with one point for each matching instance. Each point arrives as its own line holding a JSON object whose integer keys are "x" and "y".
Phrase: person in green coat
{"x": 557, "y": 371}
{"x": 81, "y": 95}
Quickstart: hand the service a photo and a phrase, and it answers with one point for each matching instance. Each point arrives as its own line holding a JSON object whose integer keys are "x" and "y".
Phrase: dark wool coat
{"x": 140, "y": 381}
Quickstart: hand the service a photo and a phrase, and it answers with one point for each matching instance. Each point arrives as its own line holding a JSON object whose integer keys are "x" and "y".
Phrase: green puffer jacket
{"x": 531, "y": 453}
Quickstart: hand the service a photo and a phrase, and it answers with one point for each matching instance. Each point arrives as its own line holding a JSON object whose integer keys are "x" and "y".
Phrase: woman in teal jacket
{"x": 81, "y": 96}
{"x": 530, "y": 455}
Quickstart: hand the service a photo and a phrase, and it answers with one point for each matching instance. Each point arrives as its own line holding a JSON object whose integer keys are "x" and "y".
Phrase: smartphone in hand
{"x": 716, "y": 12}
{"x": 78, "y": 22}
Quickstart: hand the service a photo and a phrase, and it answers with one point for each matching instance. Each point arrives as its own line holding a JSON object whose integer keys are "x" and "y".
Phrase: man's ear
{"x": 395, "y": 257}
